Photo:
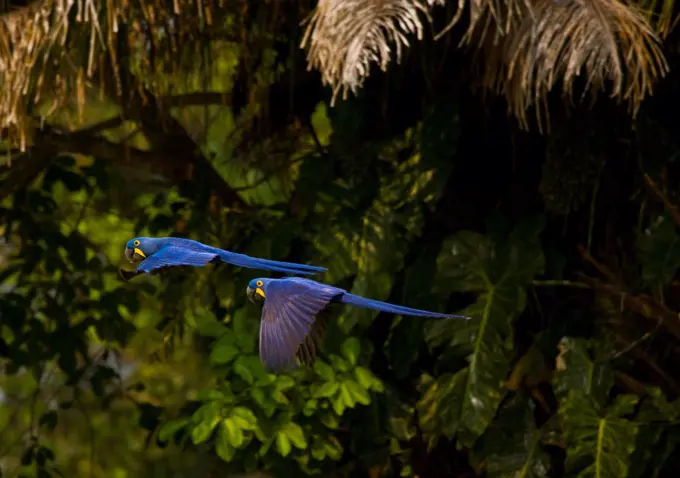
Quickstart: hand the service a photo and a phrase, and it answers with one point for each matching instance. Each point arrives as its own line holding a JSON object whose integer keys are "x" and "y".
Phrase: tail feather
{"x": 293, "y": 265}
{"x": 359, "y": 301}
{"x": 243, "y": 260}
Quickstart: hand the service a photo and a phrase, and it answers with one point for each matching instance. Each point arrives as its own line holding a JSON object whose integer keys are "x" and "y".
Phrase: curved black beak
{"x": 255, "y": 295}
{"x": 134, "y": 254}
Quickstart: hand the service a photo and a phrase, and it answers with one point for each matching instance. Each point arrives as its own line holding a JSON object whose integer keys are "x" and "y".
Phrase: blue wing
{"x": 176, "y": 256}
{"x": 359, "y": 301}
{"x": 288, "y": 316}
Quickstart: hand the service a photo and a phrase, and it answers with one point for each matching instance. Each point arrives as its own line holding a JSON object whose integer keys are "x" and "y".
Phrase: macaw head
{"x": 139, "y": 248}
{"x": 257, "y": 290}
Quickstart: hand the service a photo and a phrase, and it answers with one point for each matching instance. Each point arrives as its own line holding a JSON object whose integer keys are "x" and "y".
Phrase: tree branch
{"x": 196, "y": 99}
{"x": 114, "y": 122}
{"x": 641, "y": 304}
{"x": 659, "y": 195}
{"x": 168, "y": 138}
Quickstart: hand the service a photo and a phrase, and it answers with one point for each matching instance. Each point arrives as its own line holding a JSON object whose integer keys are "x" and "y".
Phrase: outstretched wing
{"x": 128, "y": 275}
{"x": 288, "y": 316}
{"x": 176, "y": 256}
{"x": 306, "y": 352}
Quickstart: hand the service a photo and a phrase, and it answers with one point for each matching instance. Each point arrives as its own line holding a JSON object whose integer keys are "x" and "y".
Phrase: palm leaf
{"x": 346, "y": 36}
{"x": 52, "y": 50}
{"x": 607, "y": 42}
{"x": 527, "y": 47}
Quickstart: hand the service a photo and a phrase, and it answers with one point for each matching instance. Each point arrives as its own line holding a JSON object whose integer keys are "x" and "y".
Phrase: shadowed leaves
{"x": 599, "y": 437}
{"x": 500, "y": 267}
{"x": 512, "y": 447}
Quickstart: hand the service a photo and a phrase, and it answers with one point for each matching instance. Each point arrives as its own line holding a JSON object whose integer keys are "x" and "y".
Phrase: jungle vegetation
{"x": 512, "y": 160}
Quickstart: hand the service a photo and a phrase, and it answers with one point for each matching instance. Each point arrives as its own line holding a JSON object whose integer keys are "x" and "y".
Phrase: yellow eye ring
{"x": 259, "y": 283}
{"x": 136, "y": 243}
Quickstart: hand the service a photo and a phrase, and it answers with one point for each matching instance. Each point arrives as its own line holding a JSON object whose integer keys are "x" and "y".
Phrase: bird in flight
{"x": 292, "y": 324}
{"x": 160, "y": 252}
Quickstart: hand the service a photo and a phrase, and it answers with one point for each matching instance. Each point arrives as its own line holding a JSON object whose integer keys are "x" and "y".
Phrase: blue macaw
{"x": 159, "y": 252}
{"x": 289, "y": 326}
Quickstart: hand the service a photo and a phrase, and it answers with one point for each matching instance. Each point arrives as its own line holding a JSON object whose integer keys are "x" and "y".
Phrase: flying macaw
{"x": 160, "y": 252}
{"x": 291, "y": 325}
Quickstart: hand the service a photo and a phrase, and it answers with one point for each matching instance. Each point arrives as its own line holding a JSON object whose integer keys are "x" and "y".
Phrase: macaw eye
{"x": 136, "y": 243}
{"x": 259, "y": 283}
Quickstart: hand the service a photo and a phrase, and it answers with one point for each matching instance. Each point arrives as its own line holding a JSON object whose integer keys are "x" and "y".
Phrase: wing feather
{"x": 307, "y": 351}
{"x": 287, "y": 326}
{"x": 176, "y": 256}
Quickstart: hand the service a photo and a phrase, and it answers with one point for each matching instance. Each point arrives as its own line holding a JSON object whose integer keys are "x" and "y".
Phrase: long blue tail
{"x": 391, "y": 308}
{"x": 243, "y": 260}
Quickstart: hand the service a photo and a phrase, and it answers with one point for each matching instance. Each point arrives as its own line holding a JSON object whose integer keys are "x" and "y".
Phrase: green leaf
{"x": 223, "y": 353}
{"x": 208, "y": 394}
{"x": 169, "y": 428}
{"x": 223, "y": 446}
{"x": 208, "y": 325}
{"x": 324, "y": 370}
{"x": 318, "y": 449}
{"x": 327, "y": 389}
{"x": 339, "y": 364}
{"x": 295, "y": 434}
{"x": 500, "y": 268}
{"x": 202, "y": 431}
{"x": 329, "y": 419}
{"x": 367, "y": 379}
{"x": 359, "y": 394}
{"x": 346, "y": 396}
{"x": 350, "y": 349}
{"x": 244, "y": 372}
{"x": 338, "y": 403}
{"x": 310, "y": 407}
{"x": 511, "y": 446}
{"x": 576, "y": 370}
{"x": 601, "y": 436}
{"x": 333, "y": 448}
{"x": 206, "y": 418}
{"x": 659, "y": 248}
{"x": 232, "y": 431}
{"x": 655, "y": 440}
{"x": 284, "y": 382}
{"x": 282, "y": 443}
{"x": 264, "y": 400}
{"x": 244, "y": 418}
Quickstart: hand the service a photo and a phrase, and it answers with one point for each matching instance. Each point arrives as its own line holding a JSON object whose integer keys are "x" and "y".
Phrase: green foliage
{"x": 599, "y": 435}
{"x": 513, "y": 445}
{"x": 499, "y": 268}
{"x": 659, "y": 252}
{"x": 252, "y": 413}
{"x": 413, "y": 193}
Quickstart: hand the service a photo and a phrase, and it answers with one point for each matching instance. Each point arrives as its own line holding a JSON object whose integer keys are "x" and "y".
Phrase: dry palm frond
{"x": 34, "y": 67}
{"x": 526, "y": 46}
{"x": 661, "y": 15}
{"x": 346, "y": 36}
{"x": 608, "y": 42}
{"x": 51, "y": 49}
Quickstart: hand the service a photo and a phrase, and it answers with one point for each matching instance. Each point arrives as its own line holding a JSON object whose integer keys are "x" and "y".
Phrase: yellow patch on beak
{"x": 259, "y": 291}
{"x": 139, "y": 252}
